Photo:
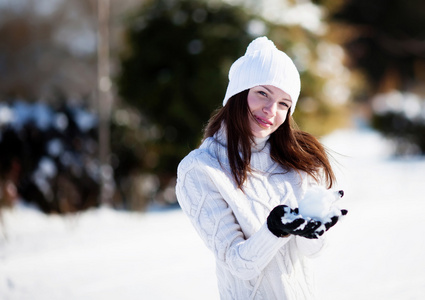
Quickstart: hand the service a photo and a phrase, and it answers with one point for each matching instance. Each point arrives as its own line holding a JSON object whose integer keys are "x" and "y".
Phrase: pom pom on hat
{"x": 259, "y": 44}
{"x": 264, "y": 64}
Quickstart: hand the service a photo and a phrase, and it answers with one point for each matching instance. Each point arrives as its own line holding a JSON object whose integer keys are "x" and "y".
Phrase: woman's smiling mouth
{"x": 263, "y": 122}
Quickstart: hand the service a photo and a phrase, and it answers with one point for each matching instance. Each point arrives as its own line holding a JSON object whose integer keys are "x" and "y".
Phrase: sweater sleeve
{"x": 310, "y": 247}
{"x": 215, "y": 222}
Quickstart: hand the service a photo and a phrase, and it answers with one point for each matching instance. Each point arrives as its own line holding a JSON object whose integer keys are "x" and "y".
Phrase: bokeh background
{"x": 101, "y": 99}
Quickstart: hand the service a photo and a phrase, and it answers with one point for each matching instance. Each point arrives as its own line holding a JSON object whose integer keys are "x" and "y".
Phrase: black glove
{"x": 311, "y": 230}
{"x": 335, "y": 219}
{"x": 274, "y": 220}
{"x": 295, "y": 223}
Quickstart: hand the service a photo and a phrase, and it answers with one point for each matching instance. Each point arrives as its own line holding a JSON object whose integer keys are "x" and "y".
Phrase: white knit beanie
{"x": 264, "y": 64}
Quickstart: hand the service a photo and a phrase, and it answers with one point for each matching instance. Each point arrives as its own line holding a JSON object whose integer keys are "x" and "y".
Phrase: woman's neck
{"x": 260, "y": 142}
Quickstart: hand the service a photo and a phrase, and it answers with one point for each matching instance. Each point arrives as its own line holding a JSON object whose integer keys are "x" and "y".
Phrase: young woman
{"x": 249, "y": 172}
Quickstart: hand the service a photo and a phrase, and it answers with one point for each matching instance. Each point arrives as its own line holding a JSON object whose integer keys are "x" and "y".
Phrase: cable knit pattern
{"x": 251, "y": 262}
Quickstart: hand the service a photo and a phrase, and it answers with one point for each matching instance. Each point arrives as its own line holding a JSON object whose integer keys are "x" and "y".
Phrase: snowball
{"x": 319, "y": 204}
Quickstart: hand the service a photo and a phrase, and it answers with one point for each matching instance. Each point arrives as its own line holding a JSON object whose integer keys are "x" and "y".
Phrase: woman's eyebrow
{"x": 271, "y": 92}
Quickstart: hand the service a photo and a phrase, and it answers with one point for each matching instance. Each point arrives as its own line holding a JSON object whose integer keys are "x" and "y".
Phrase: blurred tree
{"x": 174, "y": 71}
{"x": 385, "y": 40}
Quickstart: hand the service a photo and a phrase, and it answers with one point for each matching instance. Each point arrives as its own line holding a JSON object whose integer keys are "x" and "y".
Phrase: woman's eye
{"x": 284, "y": 104}
{"x": 262, "y": 93}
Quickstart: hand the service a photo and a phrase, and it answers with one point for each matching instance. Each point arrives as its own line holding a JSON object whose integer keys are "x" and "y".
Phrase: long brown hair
{"x": 290, "y": 147}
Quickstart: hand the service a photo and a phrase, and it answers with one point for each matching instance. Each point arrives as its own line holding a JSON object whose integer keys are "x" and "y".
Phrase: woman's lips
{"x": 263, "y": 122}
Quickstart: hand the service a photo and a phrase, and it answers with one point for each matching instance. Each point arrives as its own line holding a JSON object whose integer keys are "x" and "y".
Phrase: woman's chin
{"x": 261, "y": 134}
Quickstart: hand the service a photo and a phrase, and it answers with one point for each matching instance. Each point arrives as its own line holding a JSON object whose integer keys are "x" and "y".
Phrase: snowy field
{"x": 376, "y": 252}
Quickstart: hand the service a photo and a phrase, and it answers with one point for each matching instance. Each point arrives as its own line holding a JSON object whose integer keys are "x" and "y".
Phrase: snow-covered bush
{"x": 401, "y": 117}
{"x": 49, "y": 155}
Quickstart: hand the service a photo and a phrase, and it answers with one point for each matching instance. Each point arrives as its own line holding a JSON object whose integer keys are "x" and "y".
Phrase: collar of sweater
{"x": 258, "y": 145}
{"x": 260, "y": 151}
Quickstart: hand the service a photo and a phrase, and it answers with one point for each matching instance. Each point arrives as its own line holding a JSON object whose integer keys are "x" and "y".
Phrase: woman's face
{"x": 269, "y": 106}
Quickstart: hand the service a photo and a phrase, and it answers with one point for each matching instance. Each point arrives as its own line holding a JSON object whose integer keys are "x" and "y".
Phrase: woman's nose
{"x": 270, "y": 109}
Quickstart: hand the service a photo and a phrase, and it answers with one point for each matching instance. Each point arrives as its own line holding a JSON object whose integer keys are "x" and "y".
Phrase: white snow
{"x": 320, "y": 204}
{"x": 375, "y": 252}
{"x": 103, "y": 254}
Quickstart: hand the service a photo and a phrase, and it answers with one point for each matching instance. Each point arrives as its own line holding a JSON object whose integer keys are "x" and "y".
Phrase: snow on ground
{"x": 103, "y": 254}
{"x": 375, "y": 252}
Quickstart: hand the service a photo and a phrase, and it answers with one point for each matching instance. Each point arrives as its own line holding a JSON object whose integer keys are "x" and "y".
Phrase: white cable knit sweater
{"x": 251, "y": 263}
